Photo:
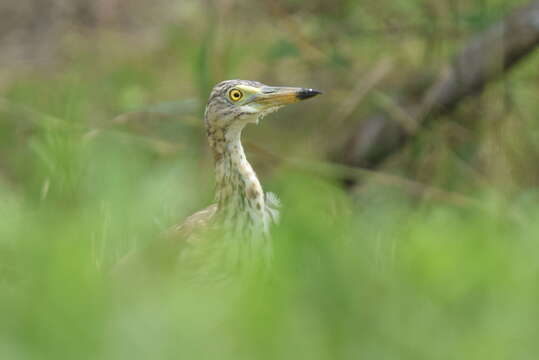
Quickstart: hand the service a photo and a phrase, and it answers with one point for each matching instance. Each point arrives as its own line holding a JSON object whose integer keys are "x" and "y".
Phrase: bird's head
{"x": 235, "y": 103}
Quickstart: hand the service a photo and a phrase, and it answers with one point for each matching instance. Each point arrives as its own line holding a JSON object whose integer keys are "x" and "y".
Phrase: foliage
{"x": 386, "y": 270}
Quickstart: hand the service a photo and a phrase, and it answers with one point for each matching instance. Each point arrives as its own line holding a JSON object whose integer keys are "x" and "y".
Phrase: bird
{"x": 242, "y": 210}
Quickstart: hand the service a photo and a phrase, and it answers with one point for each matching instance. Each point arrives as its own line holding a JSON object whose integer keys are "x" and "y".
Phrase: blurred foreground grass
{"x": 376, "y": 274}
{"x": 379, "y": 277}
{"x": 372, "y": 280}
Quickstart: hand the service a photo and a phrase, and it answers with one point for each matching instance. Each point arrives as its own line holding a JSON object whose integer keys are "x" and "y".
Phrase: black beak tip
{"x": 307, "y": 93}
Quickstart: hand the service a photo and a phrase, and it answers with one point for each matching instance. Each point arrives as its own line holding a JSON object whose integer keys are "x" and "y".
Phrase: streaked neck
{"x": 239, "y": 195}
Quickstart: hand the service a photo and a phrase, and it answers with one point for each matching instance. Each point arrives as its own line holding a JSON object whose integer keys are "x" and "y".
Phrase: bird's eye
{"x": 235, "y": 95}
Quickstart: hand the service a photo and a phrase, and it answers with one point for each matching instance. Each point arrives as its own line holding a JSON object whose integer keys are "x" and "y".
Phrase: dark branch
{"x": 485, "y": 58}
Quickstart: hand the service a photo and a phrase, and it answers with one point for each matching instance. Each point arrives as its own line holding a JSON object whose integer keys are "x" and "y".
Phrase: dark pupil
{"x": 236, "y": 94}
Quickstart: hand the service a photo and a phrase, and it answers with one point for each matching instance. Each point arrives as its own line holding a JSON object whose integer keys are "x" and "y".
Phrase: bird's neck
{"x": 239, "y": 194}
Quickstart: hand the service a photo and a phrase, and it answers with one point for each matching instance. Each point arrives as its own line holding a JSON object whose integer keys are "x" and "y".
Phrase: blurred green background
{"x": 102, "y": 148}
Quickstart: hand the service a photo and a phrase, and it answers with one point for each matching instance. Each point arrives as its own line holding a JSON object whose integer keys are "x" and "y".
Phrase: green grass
{"x": 382, "y": 281}
{"x": 374, "y": 272}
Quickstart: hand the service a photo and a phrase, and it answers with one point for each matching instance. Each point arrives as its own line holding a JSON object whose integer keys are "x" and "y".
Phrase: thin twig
{"x": 363, "y": 87}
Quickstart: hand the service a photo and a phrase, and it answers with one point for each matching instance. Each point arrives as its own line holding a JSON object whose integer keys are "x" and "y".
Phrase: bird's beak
{"x": 269, "y": 96}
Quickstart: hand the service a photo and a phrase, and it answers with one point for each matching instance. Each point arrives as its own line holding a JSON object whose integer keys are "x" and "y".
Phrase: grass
{"x": 377, "y": 272}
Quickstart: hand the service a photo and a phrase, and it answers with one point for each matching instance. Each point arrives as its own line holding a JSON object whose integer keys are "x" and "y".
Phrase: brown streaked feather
{"x": 192, "y": 227}
{"x": 190, "y": 230}
{"x": 166, "y": 250}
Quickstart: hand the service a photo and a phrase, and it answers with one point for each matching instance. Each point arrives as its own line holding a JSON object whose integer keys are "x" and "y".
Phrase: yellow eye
{"x": 235, "y": 95}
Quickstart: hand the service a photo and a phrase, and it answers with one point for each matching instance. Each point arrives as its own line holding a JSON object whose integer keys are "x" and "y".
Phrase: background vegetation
{"x": 436, "y": 259}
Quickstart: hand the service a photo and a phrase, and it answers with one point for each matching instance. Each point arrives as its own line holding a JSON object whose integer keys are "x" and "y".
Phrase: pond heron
{"x": 242, "y": 209}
